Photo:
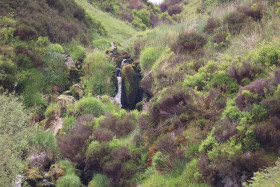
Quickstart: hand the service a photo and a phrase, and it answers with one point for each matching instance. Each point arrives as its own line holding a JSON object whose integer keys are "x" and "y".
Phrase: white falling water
{"x": 119, "y": 94}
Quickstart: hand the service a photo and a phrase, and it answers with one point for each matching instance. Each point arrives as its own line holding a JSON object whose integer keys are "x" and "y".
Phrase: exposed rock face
{"x": 146, "y": 84}
{"x": 53, "y": 123}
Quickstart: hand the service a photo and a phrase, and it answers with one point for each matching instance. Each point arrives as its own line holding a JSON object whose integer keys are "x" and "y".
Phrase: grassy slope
{"x": 118, "y": 31}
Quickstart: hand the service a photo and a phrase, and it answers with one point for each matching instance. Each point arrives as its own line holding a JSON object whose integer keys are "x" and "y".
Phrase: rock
{"x": 77, "y": 91}
{"x": 64, "y": 100}
{"x": 55, "y": 172}
{"x": 54, "y": 123}
{"x": 39, "y": 161}
{"x": 146, "y": 84}
{"x": 130, "y": 88}
{"x": 69, "y": 61}
{"x": 114, "y": 46}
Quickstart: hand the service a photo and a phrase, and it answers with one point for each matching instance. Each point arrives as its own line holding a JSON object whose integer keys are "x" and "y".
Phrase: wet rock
{"x": 130, "y": 86}
{"x": 146, "y": 84}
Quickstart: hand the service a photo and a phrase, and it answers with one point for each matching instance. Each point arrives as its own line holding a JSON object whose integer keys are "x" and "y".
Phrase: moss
{"x": 130, "y": 85}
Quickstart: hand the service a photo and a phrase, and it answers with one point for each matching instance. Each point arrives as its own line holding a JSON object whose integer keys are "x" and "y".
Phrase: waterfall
{"x": 118, "y": 97}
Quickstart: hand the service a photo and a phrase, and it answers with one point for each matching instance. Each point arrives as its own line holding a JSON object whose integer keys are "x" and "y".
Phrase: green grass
{"x": 118, "y": 31}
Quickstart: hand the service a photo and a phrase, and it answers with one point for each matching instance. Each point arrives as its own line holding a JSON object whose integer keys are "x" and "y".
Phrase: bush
{"x": 45, "y": 141}
{"x": 99, "y": 180}
{"x": 224, "y": 83}
{"x": 148, "y": 57}
{"x": 53, "y": 109}
{"x": 69, "y": 181}
{"x": 100, "y": 73}
{"x": 160, "y": 161}
{"x": 73, "y": 145}
{"x": 188, "y": 42}
{"x": 77, "y": 52}
{"x": 55, "y": 71}
{"x": 244, "y": 72}
{"x": 90, "y": 105}
{"x": 221, "y": 39}
{"x": 55, "y": 48}
{"x": 141, "y": 19}
{"x": 177, "y": 9}
{"x": 166, "y": 144}
{"x": 103, "y": 135}
{"x": 267, "y": 55}
{"x": 67, "y": 167}
{"x": 7, "y": 74}
{"x": 211, "y": 25}
{"x": 119, "y": 126}
{"x": 235, "y": 21}
{"x": 95, "y": 155}
{"x": 68, "y": 123}
{"x": 15, "y": 138}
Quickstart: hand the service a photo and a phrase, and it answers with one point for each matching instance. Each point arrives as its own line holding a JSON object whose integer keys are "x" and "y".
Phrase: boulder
{"x": 39, "y": 161}
{"x": 77, "y": 90}
{"x": 64, "y": 100}
{"x": 146, "y": 84}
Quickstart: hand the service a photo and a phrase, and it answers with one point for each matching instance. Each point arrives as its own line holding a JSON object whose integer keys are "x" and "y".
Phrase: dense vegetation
{"x": 200, "y": 93}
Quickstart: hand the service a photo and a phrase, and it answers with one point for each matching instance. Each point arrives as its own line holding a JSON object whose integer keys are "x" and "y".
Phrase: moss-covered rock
{"x": 130, "y": 85}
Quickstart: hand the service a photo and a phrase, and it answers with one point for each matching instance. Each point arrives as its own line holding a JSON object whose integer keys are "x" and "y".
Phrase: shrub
{"x": 95, "y": 154}
{"x": 69, "y": 181}
{"x": 68, "y": 123}
{"x": 235, "y": 21}
{"x": 252, "y": 93}
{"x": 224, "y": 83}
{"x": 74, "y": 144}
{"x": 244, "y": 72}
{"x": 188, "y": 42}
{"x": 15, "y": 138}
{"x": 267, "y": 55}
{"x": 90, "y": 105}
{"x": 166, "y": 144}
{"x": 268, "y": 134}
{"x": 77, "y": 52}
{"x": 224, "y": 130}
{"x": 177, "y": 9}
{"x": 148, "y": 57}
{"x": 45, "y": 141}
{"x": 120, "y": 127}
{"x": 55, "y": 48}
{"x": 7, "y": 74}
{"x": 141, "y": 19}
{"x": 67, "y": 167}
{"x": 211, "y": 25}
{"x": 160, "y": 161}
{"x": 121, "y": 154}
{"x": 99, "y": 180}
{"x": 99, "y": 73}
{"x": 53, "y": 109}
{"x": 55, "y": 71}
{"x": 221, "y": 39}
{"x": 103, "y": 135}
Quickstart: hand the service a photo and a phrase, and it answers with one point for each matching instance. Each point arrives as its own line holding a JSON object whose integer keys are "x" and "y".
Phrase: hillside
{"x": 118, "y": 31}
{"x": 128, "y": 93}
